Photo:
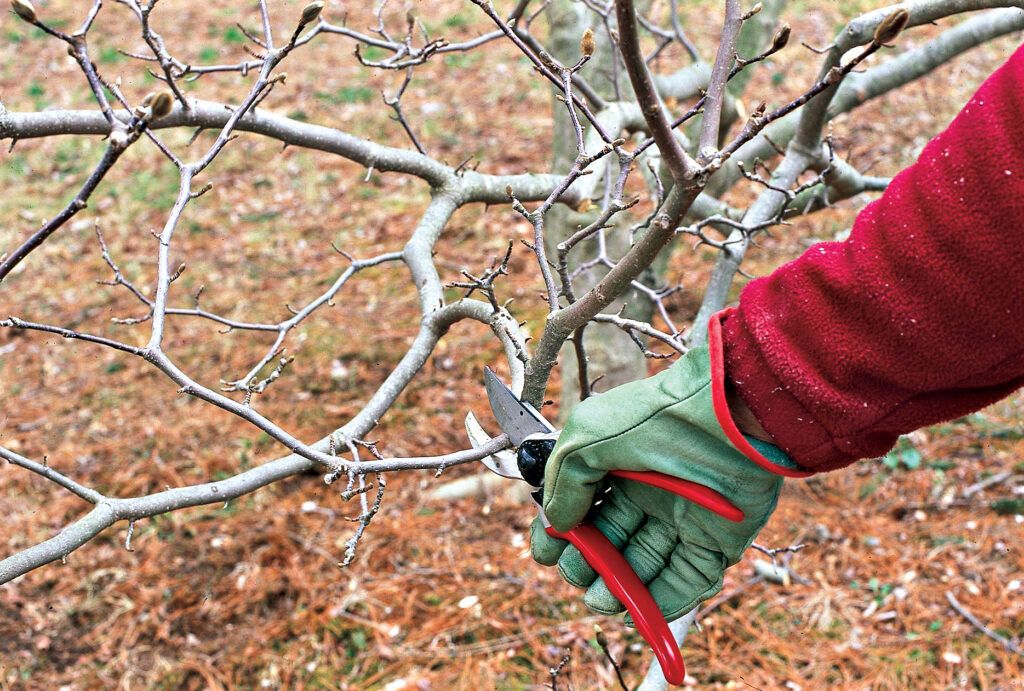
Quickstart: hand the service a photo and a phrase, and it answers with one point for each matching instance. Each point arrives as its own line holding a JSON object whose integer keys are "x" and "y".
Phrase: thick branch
{"x": 477, "y": 187}
{"x": 562, "y": 323}
{"x": 805, "y": 143}
{"x": 211, "y": 115}
{"x": 859, "y": 88}
{"x": 682, "y": 167}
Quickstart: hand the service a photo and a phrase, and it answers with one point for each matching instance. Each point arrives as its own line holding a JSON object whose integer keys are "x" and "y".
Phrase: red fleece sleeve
{"x": 917, "y": 318}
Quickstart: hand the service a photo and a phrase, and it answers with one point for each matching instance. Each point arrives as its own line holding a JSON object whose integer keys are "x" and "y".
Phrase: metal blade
{"x": 501, "y": 463}
{"x": 516, "y": 418}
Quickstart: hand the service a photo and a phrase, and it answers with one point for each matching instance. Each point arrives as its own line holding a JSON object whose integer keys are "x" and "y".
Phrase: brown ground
{"x": 250, "y": 594}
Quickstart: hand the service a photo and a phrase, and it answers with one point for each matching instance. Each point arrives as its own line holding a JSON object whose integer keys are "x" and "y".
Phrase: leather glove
{"x": 665, "y": 423}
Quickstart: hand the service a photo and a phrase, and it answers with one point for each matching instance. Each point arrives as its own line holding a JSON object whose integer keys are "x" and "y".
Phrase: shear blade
{"x": 502, "y": 463}
{"x": 518, "y": 419}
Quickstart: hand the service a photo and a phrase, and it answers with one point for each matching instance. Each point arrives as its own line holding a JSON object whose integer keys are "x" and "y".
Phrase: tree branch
{"x": 682, "y": 167}
{"x": 708, "y": 143}
{"x": 86, "y": 493}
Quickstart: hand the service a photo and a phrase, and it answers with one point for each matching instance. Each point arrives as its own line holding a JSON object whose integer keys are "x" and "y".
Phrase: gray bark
{"x": 802, "y": 129}
{"x": 611, "y": 354}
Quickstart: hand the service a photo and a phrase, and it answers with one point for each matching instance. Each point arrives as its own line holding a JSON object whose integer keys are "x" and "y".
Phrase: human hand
{"x": 666, "y": 423}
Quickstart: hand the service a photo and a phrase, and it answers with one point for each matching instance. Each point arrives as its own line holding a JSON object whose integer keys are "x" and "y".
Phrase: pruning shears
{"x": 534, "y": 438}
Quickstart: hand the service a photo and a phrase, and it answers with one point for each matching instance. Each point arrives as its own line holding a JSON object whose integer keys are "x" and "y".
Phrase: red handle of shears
{"x": 623, "y": 582}
{"x": 695, "y": 492}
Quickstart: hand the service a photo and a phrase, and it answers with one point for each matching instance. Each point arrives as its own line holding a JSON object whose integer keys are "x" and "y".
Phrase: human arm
{"x": 916, "y": 318}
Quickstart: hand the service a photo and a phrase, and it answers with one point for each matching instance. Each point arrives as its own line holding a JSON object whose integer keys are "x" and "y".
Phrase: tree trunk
{"x": 612, "y": 356}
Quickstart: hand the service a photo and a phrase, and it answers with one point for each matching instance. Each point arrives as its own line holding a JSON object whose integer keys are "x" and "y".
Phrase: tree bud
{"x": 781, "y": 38}
{"x": 24, "y": 9}
{"x": 891, "y": 27}
{"x": 508, "y": 190}
{"x": 161, "y": 104}
{"x": 311, "y": 12}
{"x": 587, "y": 43}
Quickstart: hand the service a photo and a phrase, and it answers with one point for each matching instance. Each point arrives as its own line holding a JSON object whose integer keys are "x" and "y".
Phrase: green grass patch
{"x": 373, "y": 53}
{"x": 904, "y": 455}
{"x": 110, "y": 56}
{"x": 347, "y": 94}
{"x": 460, "y": 60}
{"x": 457, "y": 21}
{"x": 233, "y": 34}
{"x": 260, "y": 217}
{"x": 156, "y": 191}
{"x": 37, "y": 92}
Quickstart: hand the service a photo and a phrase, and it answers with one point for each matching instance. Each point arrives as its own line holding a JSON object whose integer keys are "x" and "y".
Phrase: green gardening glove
{"x": 665, "y": 423}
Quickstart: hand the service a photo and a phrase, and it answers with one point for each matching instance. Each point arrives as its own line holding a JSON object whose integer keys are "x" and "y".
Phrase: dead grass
{"x": 249, "y": 595}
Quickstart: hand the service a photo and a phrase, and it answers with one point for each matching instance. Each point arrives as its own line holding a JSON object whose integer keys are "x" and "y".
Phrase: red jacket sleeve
{"x": 917, "y": 318}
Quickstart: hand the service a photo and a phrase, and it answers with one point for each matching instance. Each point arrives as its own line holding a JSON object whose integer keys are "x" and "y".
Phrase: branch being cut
{"x": 109, "y": 511}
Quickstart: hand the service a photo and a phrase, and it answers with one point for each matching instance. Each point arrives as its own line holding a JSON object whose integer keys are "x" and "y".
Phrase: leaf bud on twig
{"x": 587, "y": 43}
{"x": 548, "y": 61}
{"x": 781, "y": 38}
{"x": 161, "y": 104}
{"x": 891, "y": 27}
{"x": 756, "y": 9}
{"x": 311, "y": 12}
{"x": 25, "y": 10}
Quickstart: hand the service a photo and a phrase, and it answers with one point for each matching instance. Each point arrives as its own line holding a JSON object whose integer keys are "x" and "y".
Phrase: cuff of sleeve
{"x": 724, "y": 416}
{"x": 791, "y": 425}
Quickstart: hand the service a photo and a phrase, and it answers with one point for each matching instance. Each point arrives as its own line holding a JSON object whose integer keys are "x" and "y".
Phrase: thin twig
{"x": 1009, "y": 645}
{"x": 602, "y": 643}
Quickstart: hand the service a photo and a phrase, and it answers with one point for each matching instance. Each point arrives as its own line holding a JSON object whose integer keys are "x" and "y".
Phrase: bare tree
{"x": 684, "y": 133}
